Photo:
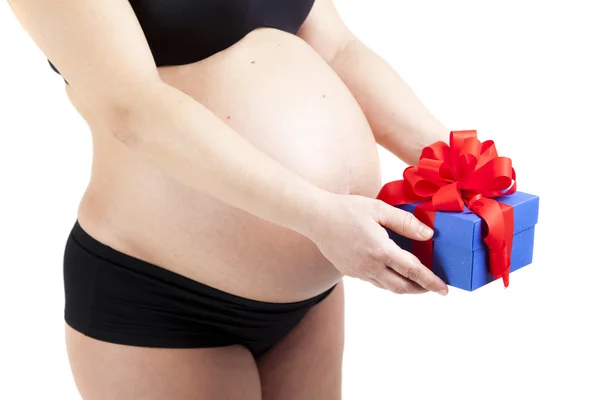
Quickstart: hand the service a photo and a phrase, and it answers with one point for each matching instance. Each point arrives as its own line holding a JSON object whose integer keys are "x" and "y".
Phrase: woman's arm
{"x": 399, "y": 120}
{"x": 99, "y": 48}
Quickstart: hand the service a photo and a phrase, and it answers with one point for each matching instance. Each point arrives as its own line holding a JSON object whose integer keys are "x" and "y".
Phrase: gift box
{"x": 483, "y": 227}
{"x": 459, "y": 252}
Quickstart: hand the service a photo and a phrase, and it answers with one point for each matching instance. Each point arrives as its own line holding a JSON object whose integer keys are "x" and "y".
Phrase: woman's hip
{"x": 210, "y": 242}
{"x": 118, "y": 298}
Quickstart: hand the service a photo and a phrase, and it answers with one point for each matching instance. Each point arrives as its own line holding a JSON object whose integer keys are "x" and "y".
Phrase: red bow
{"x": 447, "y": 178}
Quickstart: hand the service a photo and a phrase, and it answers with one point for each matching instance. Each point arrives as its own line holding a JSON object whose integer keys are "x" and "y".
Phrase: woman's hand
{"x": 350, "y": 234}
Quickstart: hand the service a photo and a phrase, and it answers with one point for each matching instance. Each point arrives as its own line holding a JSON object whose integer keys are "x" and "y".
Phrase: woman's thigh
{"x": 110, "y": 371}
{"x": 307, "y": 363}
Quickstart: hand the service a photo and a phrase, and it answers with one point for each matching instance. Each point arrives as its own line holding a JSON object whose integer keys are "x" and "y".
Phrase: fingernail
{"x": 443, "y": 292}
{"x": 425, "y": 231}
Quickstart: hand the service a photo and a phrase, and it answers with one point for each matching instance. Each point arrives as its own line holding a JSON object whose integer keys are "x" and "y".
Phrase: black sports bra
{"x": 184, "y": 31}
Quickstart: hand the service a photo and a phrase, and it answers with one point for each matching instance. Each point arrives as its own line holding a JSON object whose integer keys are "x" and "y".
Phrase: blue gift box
{"x": 459, "y": 253}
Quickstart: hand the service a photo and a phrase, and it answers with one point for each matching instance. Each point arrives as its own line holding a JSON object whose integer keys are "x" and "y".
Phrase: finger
{"x": 398, "y": 284}
{"x": 404, "y": 223}
{"x": 376, "y": 283}
{"x": 409, "y": 266}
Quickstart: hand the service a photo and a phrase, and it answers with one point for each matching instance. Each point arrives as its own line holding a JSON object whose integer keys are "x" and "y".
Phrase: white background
{"x": 524, "y": 73}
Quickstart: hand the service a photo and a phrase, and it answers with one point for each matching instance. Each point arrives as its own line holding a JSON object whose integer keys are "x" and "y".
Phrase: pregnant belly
{"x": 275, "y": 91}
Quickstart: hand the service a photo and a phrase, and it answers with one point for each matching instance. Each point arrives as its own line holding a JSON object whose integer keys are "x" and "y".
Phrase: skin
{"x": 399, "y": 120}
{"x": 237, "y": 170}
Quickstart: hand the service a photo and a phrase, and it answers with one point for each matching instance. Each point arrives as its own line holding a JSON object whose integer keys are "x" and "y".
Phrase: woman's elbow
{"x": 126, "y": 117}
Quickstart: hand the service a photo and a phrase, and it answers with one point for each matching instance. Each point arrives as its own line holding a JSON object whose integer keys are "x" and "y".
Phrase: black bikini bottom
{"x": 114, "y": 297}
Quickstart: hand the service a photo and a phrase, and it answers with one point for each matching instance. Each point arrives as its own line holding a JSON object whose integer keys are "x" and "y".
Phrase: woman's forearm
{"x": 187, "y": 141}
{"x": 400, "y": 121}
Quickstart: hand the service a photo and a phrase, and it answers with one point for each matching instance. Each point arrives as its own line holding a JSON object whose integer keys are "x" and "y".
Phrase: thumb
{"x": 403, "y": 223}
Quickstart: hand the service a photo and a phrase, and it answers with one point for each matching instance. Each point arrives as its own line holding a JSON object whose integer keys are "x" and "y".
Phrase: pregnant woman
{"x": 233, "y": 185}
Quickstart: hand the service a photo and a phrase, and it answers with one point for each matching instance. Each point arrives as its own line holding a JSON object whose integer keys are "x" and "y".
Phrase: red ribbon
{"x": 448, "y": 178}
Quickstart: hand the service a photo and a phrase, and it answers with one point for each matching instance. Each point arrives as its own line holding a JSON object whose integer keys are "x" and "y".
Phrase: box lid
{"x": 464, "y": 229}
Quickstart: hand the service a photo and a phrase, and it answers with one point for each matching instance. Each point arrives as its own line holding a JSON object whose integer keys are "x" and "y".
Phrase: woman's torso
{"x": 274, "y": 90}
